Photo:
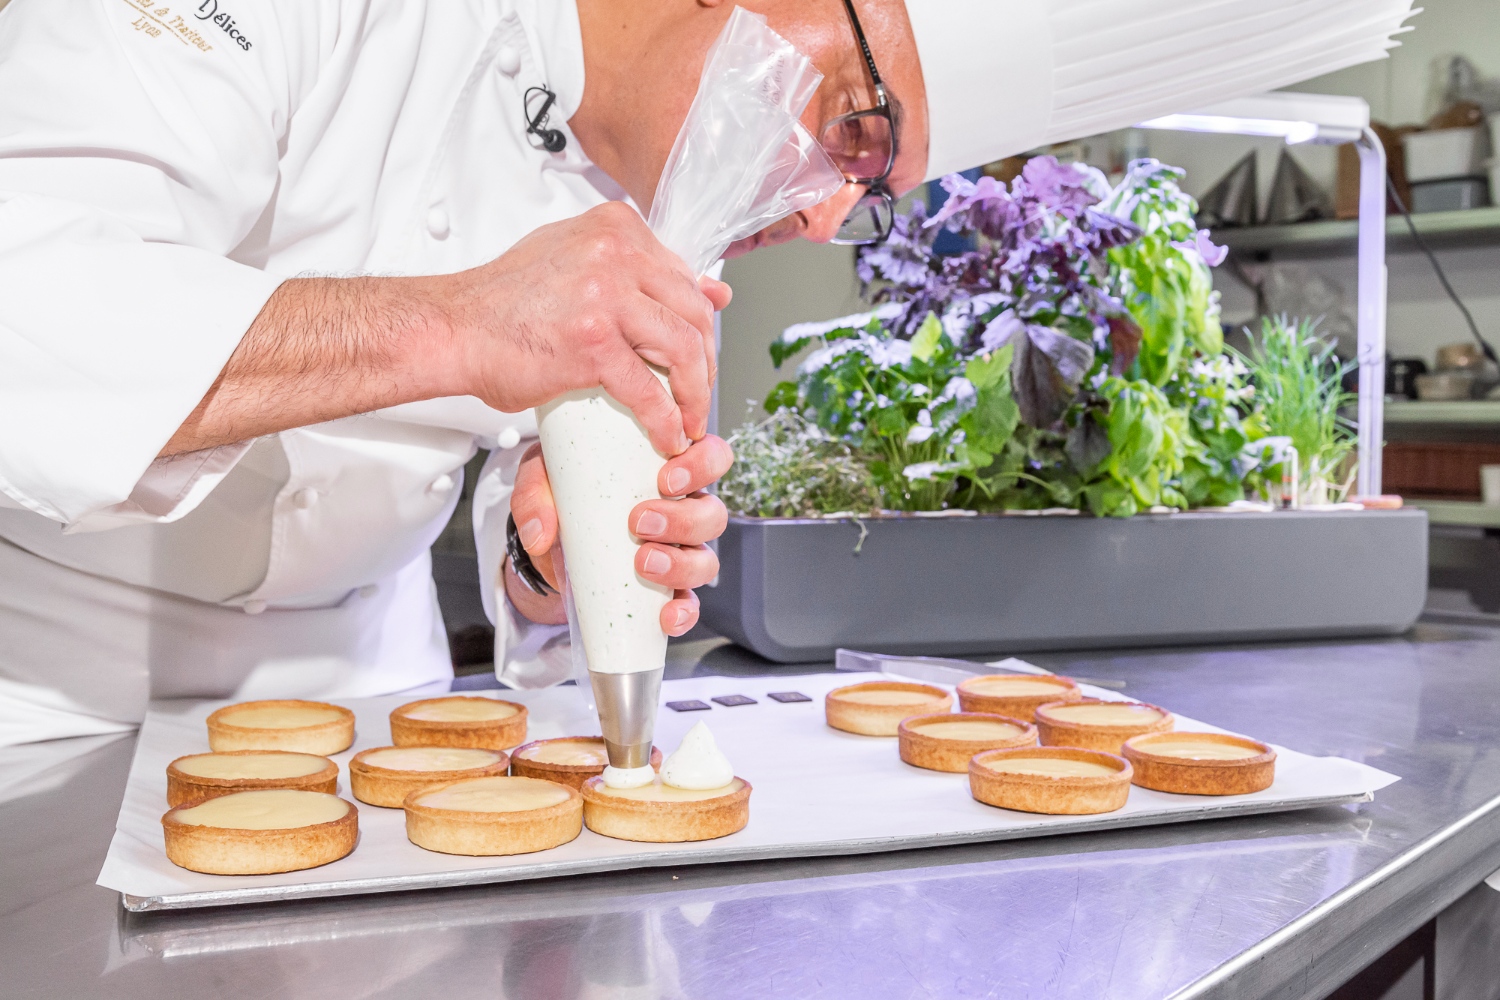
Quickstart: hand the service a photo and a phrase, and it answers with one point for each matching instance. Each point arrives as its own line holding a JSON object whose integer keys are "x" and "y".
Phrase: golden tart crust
{"x": 573, "y": 775}
{"x": 923, "y": 743}
{"x": 864, "y": 708}
{"x": 987, "y": 693}
{"x": 1108, "y": 737}
{"x": 480, "y": 734}
{"x": 665, "y": 822}
{"x": 1252, "y": 769}
{"x": 183, "y": 786}
{"x": 227, "y": 850}
{"x": 387, "y": 786}
{"x": 1103, "y": 790}
{"x": 332, "y": 733}
{"x": 481, "y": 832}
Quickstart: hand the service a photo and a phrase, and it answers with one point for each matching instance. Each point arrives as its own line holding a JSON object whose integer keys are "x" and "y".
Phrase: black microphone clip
{"x": 553, "y": 141}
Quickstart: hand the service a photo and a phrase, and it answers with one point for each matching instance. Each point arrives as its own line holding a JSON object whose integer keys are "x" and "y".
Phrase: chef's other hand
{"x": 672, "y": 533}
{"x": 588, "y": 302}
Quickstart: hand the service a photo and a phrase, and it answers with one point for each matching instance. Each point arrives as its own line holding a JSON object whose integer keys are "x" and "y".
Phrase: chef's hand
{"x": 588, "y": 302}
{"x": 673, "y": 533}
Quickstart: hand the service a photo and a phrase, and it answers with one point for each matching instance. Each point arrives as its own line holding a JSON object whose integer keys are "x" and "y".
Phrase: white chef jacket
{"x": 163, "y": 167}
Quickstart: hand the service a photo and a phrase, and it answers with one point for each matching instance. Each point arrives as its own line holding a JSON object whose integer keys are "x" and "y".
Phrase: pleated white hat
{"x": 1005, "y": 76}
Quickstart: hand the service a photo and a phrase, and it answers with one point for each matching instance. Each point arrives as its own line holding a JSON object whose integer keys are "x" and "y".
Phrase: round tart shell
{"x": 937, "y": 753}
{"x": 1110, "y": 739}
{"x": 1019, "y": 707}
{"x": 1185, "y": 776}
{"x": 572, "y": 775}
{"x": 881, "y": 720}
{"x": 322, "y": 739}
{"x": 182, "y": 787}
{"x": 664, "y": 822}
{"x": 482, "y": 834}
{"x": 1056, "y": 796}
{"x": 389, "y": 787}
{"x": 476, "y": 734}
{"x": 217, "y": 850}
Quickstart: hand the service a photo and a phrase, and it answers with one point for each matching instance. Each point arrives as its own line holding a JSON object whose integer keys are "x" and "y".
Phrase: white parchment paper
{"x": 816, "y": 791}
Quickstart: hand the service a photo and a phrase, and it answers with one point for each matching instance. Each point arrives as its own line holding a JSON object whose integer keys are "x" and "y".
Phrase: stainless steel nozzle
{"x": 627, "y": 714}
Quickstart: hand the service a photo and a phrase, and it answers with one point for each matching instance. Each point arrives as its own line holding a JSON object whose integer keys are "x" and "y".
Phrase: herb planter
{"x": 795, "y": 590}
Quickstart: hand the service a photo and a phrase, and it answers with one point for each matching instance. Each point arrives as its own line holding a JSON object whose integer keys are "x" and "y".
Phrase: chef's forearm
{"x": 324, "y": 348}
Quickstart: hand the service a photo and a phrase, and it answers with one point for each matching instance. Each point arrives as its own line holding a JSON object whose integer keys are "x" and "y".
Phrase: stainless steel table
{"x": 1275, "y": 906}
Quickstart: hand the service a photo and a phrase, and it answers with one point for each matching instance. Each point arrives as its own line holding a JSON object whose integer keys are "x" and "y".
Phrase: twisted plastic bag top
{"x": 742, "y": 160}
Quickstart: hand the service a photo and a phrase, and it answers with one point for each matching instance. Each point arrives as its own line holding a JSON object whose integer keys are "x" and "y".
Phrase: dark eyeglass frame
{"x": 877, "y": 186}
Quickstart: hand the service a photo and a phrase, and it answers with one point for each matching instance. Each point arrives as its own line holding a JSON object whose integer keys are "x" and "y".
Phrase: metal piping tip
{"x": 627, "y": 714}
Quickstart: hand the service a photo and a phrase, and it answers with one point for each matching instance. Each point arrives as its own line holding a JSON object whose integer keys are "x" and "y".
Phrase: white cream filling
{"x": 697, "y": 763}
{"x": 628, "y": 777}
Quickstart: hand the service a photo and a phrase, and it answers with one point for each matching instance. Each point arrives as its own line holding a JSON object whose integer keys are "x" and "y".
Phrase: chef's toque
{"x": 1005, "y": 76}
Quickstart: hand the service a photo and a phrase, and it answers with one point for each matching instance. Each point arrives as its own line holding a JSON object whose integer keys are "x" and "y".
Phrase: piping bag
{"x": 741, "y": 161}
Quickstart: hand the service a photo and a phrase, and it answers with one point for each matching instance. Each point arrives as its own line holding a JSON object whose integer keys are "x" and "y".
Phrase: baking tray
{"x": 817, "y": 792}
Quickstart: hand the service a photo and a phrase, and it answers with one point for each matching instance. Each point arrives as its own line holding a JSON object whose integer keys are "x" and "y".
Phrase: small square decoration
{"x": 688, "y": 706}
{"x": 786, "y": 696}
{"x": 733, "y": 700}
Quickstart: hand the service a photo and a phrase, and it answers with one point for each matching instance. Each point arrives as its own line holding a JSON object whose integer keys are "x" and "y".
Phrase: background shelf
{"x": 1468, "y": 228}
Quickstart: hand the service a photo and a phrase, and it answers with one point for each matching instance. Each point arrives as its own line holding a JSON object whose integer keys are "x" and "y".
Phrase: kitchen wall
{"x": 782, "y": 285}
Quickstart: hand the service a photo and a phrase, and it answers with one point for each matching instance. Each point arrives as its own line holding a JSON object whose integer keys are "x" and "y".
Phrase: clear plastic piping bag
{"x": 742, "y": 160}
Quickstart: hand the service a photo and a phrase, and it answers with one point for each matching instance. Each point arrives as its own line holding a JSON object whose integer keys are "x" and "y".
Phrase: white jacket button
{"x": 508, "y": 61}
{"x": 508, "y": 438}
{"x": 368, "y": 590}
{"x": 254, "y": 607}
{"x": 304, "y": 499}
{"x": 442, "y": 484}
{"x": 437, "y": 222}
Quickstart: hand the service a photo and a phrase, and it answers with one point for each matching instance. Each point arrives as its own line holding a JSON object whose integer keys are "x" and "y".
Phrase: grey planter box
{"x": 794, "y": 590}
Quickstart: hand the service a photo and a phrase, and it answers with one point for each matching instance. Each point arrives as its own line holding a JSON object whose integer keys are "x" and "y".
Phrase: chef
{"x": 272, "y": 270}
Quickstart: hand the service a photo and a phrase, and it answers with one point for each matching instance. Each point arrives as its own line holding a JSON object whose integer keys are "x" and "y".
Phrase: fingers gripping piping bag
{"x": 741, "y": 161}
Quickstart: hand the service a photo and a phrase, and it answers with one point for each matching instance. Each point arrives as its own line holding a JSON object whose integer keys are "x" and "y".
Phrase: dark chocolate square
{"x": 733, "y": 700}
{"x": 688, "y": 706}
{"x": 785, "y": 696}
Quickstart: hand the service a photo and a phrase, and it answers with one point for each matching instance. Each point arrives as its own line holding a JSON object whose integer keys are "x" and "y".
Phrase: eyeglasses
{"x": 863, "y": 146}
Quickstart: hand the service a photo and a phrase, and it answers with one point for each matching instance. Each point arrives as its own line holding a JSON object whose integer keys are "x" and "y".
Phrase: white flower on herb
{"x": 882, "y": 400}
{"x": 855, "y": 321}
{"x": 959, "y": 389}
{"x": 928, "y": 470}
{"x": 918, "y": 389}
{"x": 923, "y": 429}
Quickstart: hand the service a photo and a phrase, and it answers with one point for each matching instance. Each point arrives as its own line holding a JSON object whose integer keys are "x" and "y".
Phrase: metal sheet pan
{"x": 817, "y": 792}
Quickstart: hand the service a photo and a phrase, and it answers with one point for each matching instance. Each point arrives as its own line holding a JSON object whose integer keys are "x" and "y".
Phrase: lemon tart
{"x": 493, "y": 815}
{"x": 1015, "y": 695}
{"x": 1094, "y": 724}
{"x": 659, "y": 813}
{"x": 481, "y": 723}
{"x": 1201, "y": 763}
{"x": 385, "y": 776}
{"x": 946, "y": 741}
{"x": 300, "y": 726}
{"x": 206, "y": 775}
{"x": 876, "y": 708}
{"x": 1059, "y": 781}
{"x": 571, "y": 760}
{"x": 260, "y": 832}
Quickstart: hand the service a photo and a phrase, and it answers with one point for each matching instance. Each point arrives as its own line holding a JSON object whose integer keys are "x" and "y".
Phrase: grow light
{"x": 1329, "y": 120}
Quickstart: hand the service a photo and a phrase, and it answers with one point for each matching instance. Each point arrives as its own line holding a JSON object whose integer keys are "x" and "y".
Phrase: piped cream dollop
{"x": 697, "y": 763}
{"x": 628, "y": 777}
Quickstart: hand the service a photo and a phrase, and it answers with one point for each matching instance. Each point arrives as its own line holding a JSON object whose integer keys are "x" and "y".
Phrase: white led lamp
{"x": 1329, "y": 120}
